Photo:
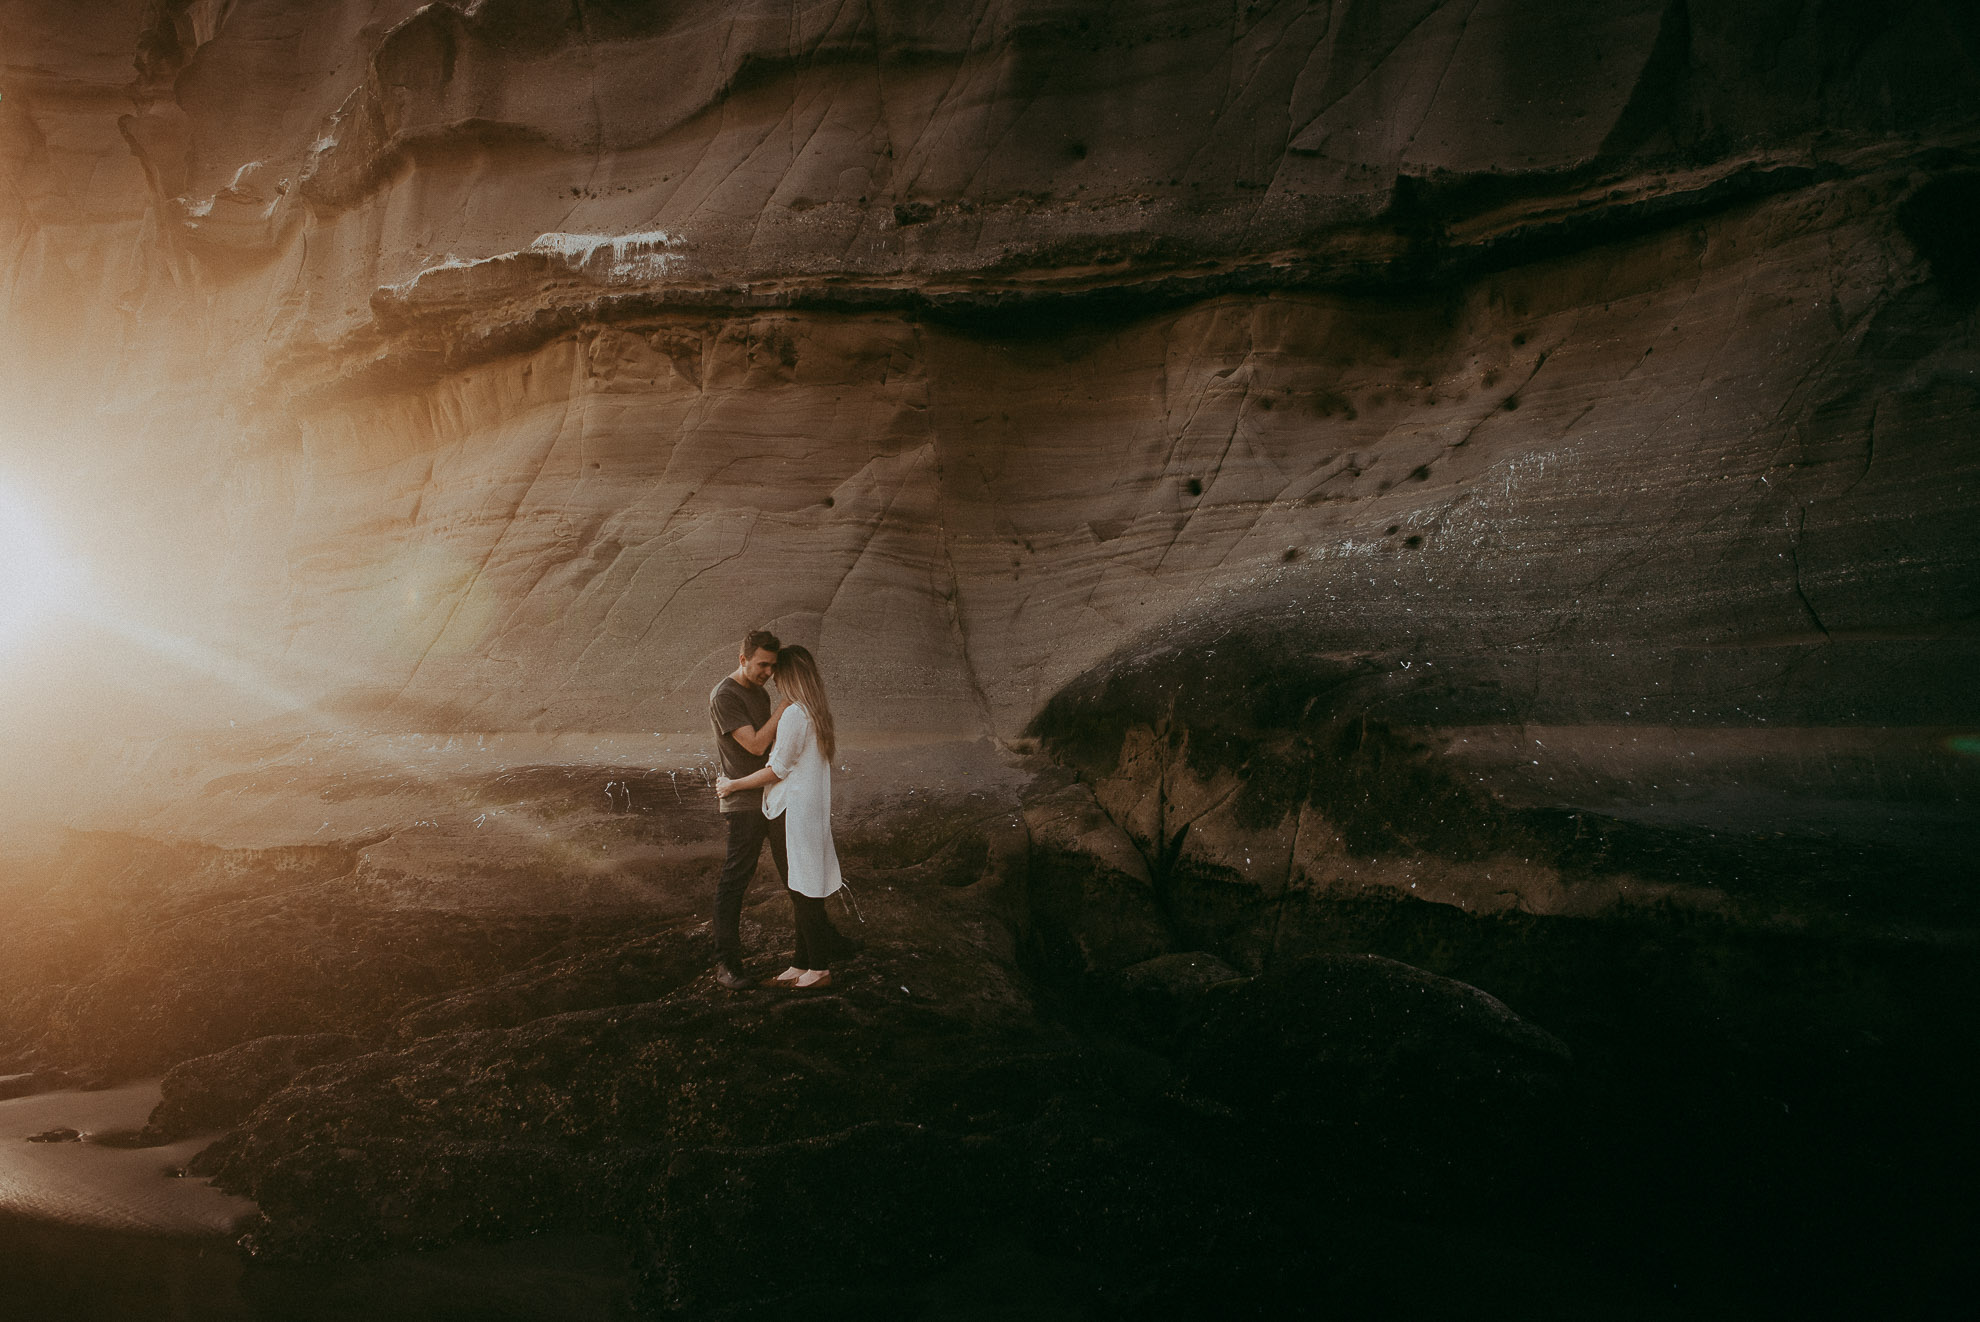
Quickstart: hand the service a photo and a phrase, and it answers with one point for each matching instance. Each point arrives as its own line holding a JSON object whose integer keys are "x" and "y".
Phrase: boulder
{"x": 60, "y": 1134}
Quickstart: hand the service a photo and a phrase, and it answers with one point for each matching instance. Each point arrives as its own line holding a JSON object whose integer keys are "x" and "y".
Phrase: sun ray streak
{"x": 209, "y": 661}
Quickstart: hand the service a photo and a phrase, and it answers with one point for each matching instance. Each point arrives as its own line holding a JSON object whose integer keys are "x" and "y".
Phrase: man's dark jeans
{"x": 747, "y": 832}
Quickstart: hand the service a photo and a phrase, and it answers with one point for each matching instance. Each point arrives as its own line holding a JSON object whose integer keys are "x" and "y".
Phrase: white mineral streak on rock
{"x": 447, "y": 263}
{"x": 240, "y": 188}
{"x": 604, "y": 258}
{"x": 633, "y": 256}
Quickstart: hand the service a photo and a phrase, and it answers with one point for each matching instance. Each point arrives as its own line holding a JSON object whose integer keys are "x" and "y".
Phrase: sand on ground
{"x": 87, "y": 1184}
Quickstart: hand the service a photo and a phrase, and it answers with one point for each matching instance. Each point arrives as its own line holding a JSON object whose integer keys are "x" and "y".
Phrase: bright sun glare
{"x": 35, "y": 577}
{"x": 39, "y": 580}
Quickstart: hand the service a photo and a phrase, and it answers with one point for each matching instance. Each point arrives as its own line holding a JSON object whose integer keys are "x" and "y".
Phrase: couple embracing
{"x": 776, "y": 785}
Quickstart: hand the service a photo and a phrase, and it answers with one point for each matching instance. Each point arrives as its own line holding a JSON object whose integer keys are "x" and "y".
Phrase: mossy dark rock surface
{"x": 218, "y": 1091}
{"x": 1344, "y": 1038}
{"x": 924, "y": 1105}
{"x": 690, "y": 1119}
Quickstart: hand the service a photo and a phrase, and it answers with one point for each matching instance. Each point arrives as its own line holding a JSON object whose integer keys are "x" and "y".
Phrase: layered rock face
{"x": 1589, "y": 372}
{"x": 1247, "y": 472}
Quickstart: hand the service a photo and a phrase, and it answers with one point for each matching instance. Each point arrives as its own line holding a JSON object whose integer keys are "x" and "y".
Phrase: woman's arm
{"x": 783, "y": 755}
{"x": 755, "y": 739}
{"x": 724, "y": 787}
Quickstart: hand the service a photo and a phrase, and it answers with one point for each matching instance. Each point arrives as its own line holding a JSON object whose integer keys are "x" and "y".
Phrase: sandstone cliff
{"x": 1595, "y": 383}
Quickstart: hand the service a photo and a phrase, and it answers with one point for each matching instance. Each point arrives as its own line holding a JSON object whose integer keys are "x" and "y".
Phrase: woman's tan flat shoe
{"x": 814, "y": 979}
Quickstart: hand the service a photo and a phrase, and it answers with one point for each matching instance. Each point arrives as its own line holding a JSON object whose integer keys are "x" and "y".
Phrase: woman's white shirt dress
{"x": 802, "y": 796}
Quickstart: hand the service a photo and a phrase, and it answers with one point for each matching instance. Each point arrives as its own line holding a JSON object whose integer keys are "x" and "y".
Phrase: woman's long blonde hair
{"x": 798, "y": 679}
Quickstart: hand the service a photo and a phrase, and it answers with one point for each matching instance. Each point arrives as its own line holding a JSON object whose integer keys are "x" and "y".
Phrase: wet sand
{"x": 89, "y": 1231}
{"x": 88, "y": 1185}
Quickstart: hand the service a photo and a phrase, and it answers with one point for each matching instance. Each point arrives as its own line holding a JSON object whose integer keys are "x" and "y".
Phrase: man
{"x": 745, "y": 727}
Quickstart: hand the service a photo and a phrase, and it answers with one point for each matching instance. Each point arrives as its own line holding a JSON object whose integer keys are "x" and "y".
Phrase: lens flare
{"x": 35, "y": 577}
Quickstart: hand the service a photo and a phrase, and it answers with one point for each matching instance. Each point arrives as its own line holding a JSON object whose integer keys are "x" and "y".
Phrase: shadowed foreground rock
{"x": 759, "y": 1149}
{"x": 1000, "y": 1101}
{"x": 941, "y": 1103}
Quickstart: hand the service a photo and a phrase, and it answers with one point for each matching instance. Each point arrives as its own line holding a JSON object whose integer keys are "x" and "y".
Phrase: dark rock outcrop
{"x": 59, "y": 1135}
{"x": 924, "y": 1104}
{"x": 219, "y": 1091}
{"x": 1357, "y": 1054}
{"x": 1164, "y": 1133}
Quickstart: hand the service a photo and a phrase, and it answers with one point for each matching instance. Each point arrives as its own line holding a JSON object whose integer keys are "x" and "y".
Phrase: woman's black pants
{"x": 816, "y": 937}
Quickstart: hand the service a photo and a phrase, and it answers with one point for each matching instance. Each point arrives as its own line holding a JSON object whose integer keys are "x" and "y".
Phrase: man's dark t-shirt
{"x": 734, "y": 705}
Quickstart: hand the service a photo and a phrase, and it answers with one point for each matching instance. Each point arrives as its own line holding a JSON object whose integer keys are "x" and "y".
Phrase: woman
{"x": 799, "y": 780}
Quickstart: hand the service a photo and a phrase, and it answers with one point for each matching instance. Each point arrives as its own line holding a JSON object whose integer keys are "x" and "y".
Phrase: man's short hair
{"x": 760, "y": 640}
